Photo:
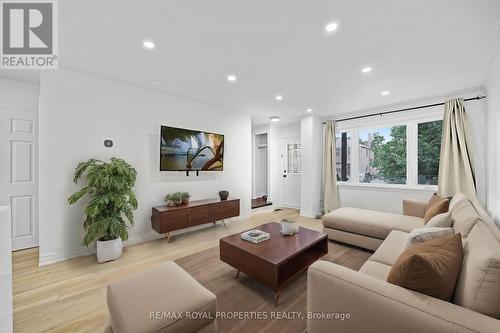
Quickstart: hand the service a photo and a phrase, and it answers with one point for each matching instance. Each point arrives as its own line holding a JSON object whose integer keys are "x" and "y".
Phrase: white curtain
{"x": 456, "y": 167}
{"x": 331, "y": 195}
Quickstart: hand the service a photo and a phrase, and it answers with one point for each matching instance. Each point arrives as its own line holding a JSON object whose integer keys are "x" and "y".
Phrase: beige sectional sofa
{"x": 374, "y": 305}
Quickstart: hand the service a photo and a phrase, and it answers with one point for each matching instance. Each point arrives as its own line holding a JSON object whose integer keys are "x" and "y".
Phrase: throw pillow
{"x": 435, "y": 198}
{"x": 438, "y": 207}
{"x": 440, "y": 221}
{"x": 421, "y": 235}
{"x": 430, "y": 268}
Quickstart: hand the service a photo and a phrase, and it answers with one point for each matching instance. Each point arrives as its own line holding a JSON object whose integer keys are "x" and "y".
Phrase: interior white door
{"x": 291, "y": 164}
{"x": 18, "y": 175}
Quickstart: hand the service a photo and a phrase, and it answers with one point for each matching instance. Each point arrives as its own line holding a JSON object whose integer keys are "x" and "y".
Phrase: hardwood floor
{"x": 70, "y": 296}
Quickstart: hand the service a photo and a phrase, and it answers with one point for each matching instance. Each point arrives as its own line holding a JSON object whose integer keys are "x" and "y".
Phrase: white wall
{"x": 5, "y": 271}
{"x": 78, "y": 111}
{"x": 19, "y": 96}
{"x": 311, "y": 131}
{"x": 493, "y": 92}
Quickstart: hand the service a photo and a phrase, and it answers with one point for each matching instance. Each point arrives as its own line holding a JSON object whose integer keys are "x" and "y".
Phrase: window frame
{"x": 408, "y": 119}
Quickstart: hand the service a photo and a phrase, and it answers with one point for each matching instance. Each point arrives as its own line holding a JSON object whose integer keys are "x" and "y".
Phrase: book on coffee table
{"x": 255, "y": 236}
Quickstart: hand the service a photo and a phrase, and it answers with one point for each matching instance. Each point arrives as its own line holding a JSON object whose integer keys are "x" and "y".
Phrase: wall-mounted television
{"x": 190, "y": 150}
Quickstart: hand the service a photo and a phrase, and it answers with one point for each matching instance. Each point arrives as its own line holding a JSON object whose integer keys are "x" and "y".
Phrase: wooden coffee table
{"x": 276, "y": 261}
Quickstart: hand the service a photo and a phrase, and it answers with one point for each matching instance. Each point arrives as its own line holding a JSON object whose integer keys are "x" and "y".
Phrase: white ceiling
{"x": 416, "y": 48}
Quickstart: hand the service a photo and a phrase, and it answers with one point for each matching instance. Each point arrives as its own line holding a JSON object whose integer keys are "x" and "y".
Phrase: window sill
{"x": 388, "y": 187}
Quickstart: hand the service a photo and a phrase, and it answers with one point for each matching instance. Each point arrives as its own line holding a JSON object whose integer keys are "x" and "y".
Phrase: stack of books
{"x": 255, "y": 236}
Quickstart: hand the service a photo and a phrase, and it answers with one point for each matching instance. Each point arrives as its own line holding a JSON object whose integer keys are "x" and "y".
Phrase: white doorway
{"x": 18, "y": 175}
{"x": 260, "y": 173}
{"x": 292, "y": 168}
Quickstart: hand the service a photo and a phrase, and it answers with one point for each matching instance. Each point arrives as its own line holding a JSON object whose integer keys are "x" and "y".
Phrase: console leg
{"x": 224, "y": 221}
{"x": 237, "y": 274}
{"x": 168, "y": 235}
{"x": 276, "y": 297}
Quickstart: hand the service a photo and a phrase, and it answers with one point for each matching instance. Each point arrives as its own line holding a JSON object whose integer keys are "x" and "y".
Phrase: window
{"x": 293, "y": 157}
{"x": 382, "y": 155}
{"x": 429, "y": 148}
{"x": 343, "y": 156}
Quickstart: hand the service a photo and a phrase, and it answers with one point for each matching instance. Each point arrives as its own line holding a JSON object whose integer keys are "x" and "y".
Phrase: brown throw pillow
{"x": 431, "y": 268}
{"x": 435, "y": 206}
{"x": 435, "y": 198}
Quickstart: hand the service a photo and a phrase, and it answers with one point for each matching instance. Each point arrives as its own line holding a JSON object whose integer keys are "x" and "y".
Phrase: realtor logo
{"x": 29, "y": 34}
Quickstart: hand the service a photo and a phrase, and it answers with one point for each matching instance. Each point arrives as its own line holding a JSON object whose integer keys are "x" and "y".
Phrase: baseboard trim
{"x": 307, "y": 213}
{"x": 52, "y": 258}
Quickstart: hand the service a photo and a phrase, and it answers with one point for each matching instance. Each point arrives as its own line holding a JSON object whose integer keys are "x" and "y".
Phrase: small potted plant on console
{"x": 185, "y": 197}
{"x": 169, "y": 200}
{"x": 177, "y": 198}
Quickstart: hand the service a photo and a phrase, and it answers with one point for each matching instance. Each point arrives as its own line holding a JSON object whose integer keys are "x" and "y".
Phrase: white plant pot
{"x": 109, "y": 250}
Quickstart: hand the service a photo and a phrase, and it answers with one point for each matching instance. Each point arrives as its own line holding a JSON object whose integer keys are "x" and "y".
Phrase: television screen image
{"x": 184, "y": 149}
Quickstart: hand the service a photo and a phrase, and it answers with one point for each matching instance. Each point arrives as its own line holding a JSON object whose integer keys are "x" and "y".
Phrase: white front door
{"x": 18, "y": 175}
{"x": 291, "y": 165}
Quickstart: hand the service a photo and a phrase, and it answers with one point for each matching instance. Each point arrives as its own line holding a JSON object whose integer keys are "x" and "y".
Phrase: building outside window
{"x": 343, "y": 156}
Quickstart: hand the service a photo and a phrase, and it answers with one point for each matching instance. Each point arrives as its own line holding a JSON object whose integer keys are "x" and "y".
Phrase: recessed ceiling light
{"x": 385, "y": 93}
{"x": 148, "y": 44}
{"x": 231, "y": 78}
{"x": 279, "y": 97}
{"x": 275, "y": 118}
{"x": 309, "y": 110}
{"x": 366, "y": 69}
{"x": 331, "y": 27}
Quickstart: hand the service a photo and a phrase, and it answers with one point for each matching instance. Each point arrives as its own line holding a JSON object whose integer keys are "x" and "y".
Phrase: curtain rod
{"x": 478, "y": 97}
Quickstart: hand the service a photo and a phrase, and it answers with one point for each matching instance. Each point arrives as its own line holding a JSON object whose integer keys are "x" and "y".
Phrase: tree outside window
{"x": 382, "y": 155}
{"x": 429, "y": 148}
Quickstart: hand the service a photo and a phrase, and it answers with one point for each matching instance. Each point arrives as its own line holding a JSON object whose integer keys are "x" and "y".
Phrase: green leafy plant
{"x": 169, "y": 197}
{"x": 185, "y": 195}
{"x": 112, "y": 199}
{"x": 177, "y": 196}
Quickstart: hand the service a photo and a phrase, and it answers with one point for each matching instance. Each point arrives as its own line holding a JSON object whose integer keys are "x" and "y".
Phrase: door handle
{"x": 284, "y": 176}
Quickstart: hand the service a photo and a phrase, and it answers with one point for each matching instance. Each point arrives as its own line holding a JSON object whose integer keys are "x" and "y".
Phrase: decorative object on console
{"x": 177, "y": 198}
{"x": 264, "y": 198}
{"x": 185, "y": 197}
{"x": 169, "y": 200}
{"x": 288, "y": 227}
{"x": 223, "y": 195}
{"x": 112, "y": 202}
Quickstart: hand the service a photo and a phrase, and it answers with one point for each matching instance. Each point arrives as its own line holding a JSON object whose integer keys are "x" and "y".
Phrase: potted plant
{"x": 112, "y": 202}
{"x": 185, "y": 197}
{"x": 169, "y": 200}
{"x": 177, "y": 197}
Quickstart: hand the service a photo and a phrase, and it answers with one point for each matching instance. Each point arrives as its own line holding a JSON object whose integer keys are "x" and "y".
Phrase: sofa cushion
{"x": 478, "y": 286}
{"x": 369, "y": 222}
{"x": 421, "y": 235}
{"x": 389, "y": 251}
{"x": 431, "y": 268}
{"x": 376, "y": 270}
{"x": 440, "y": 221}
{"x": 464, "y": 217}
{"x": 438, "y": 207}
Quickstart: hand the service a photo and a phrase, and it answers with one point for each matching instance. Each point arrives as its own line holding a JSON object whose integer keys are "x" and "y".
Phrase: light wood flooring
{"x": 70, "y": 296}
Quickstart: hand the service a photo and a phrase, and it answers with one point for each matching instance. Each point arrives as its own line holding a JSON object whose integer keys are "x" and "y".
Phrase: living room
{"x": 232, "y": 166}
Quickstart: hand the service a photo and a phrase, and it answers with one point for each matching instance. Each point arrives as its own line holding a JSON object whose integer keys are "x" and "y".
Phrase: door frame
{"x": 284, "y": 167}
{"x": 8, "y": 115}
